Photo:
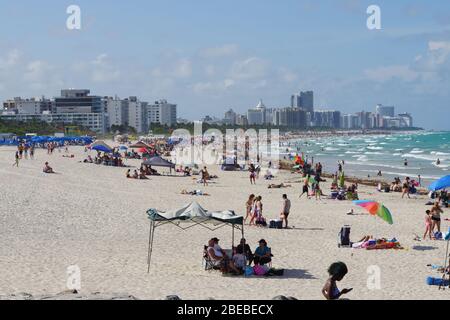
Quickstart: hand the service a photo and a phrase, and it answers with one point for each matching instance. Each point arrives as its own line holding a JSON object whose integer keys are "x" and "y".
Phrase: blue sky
{"x": 208, "y": 56}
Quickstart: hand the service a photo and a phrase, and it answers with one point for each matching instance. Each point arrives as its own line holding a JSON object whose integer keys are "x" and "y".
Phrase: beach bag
{"x": 344, "y": 237}
{"x": 261, "y": 221}
{"x": 431, "y": 281}
{"x": 438, "y": 235}
{"x": 272, "y": 224}
{"x": 387, "y": 189}
{"x": 249, "y": 271}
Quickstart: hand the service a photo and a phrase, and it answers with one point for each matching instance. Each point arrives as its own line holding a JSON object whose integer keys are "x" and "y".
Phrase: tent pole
{"x": 232, "y": 237}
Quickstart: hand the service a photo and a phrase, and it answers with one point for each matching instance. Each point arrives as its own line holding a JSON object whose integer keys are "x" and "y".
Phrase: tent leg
{"x": 150, "y": 245}
{"x": 232, "y": 237}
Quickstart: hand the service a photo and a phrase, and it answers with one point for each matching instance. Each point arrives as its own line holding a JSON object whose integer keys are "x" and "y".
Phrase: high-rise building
{"x": 162, "y": 112}
{"x": 295, "y": 101}
{"x": 307, "y": 101}
{"x": 136, "y": 114}
{"x": 78, "y": 101}
{"x": 230, "y": 118}
{"x": 117, "y": 110}
{"x": 294, "y": 118}
{"x": 385, "y": 111}
{"x": 327, "y": 119}
{"x": 257, "y": 115}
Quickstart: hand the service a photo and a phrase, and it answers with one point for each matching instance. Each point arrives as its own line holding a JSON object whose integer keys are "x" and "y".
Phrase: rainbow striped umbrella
{"x": 376, "y": 209}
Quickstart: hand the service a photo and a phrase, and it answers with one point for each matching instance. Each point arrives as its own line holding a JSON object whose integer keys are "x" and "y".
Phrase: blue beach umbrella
{"x": 102, "y": 148}
{"x": 442, "y": 183}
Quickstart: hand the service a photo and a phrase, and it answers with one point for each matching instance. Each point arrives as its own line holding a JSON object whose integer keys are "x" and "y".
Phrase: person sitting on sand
{"x": 337, "y": 272}
{"x": 142, "y": 175}
{"x": 47, "y": 168}
{"x": 245, "y": 248}
{"x": 135, "y": 175}
{"x": 239, "y": 259}
{"x": 220, "y": 258}
{"x": 128, "y": 174}
{"x": 263, "y": 252}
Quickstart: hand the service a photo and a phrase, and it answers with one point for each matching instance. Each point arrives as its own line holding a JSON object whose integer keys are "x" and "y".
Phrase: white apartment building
{"x": 117, "y": 110}
{"x": 162, "y": 112}
{"x": 136, "y": 114}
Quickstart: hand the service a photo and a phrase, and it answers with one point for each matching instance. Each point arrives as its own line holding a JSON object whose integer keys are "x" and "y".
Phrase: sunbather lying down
{"x": 278, "y": 186}
{"x": 194, "y": 193}
{"x": 370, "y": 243}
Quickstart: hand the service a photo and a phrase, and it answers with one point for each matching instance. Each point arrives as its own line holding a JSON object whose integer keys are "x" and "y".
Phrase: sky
{"x": 208, "y": 56}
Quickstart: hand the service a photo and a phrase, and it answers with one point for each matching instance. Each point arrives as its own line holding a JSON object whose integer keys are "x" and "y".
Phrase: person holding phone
{"x": 337, "y": 272}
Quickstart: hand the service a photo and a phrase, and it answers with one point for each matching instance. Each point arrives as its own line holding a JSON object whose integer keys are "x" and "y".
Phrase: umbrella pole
{"x": 445, "y": 266}
{"x": 150, "y": 245}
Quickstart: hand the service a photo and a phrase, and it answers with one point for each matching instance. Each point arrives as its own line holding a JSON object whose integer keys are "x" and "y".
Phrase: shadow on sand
{"x": 424, "y": 248}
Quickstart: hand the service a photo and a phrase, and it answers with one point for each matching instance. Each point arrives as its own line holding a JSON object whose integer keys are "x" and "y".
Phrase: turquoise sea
{"x": 426, "y": 153}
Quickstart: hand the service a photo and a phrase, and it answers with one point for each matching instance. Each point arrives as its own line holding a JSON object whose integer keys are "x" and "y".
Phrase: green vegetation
{"x": 21, "y": 128}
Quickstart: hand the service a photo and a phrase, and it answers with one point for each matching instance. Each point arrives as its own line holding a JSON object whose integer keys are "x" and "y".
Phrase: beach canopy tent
{"x": 441, "y": 184}
{"x": 189, "y": 216}
{"x": 139, "y": 145}
{"x": 158, "y": 162}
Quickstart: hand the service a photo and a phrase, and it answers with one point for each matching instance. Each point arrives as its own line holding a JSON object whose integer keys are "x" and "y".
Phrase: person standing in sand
{"x": 252, "y": 170}
{"x": 285, "y": 210}
{"x": 205, "y": 176}
{"x": 16, "y": 161}
{"x": 428, "y": 225}
{"x": 249, "y": 206}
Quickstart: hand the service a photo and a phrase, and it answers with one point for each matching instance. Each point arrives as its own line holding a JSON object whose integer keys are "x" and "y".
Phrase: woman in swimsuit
{"x": 248, "y": 206}
{"x": 436, "y": 217}
{"x": 337, "y": 272}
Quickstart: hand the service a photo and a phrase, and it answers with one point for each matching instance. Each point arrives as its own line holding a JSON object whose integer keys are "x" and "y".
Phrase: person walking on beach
{"x": 205, "y": 176}
{"x": 428, "y": 225}
{"x": 406, "y": 188}
{"x": 32, "y": 152}
{"x": 306, "y": 187}
{"x": 252, "y": 170}
{"x": 337, "y": 272}
{"x": 249, "y": 206}
{"x": 16, "y": 161}
{"x": 286, "y": 210}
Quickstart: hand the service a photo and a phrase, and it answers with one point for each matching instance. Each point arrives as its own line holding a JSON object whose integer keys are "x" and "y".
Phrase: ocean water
{"x": 365, "y": 155}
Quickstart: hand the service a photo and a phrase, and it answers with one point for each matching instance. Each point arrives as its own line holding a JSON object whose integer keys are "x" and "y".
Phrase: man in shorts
{"x": 286, "y": 210}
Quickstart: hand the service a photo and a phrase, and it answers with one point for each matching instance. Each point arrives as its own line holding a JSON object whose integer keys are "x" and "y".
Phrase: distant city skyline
{"x": 208, "y": 56}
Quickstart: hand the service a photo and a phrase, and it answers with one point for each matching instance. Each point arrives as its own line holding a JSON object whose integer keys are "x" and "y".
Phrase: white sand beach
{"x": 92, "y": 216}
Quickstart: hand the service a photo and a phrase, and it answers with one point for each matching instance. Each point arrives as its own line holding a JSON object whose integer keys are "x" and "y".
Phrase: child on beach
{"x": 337, "y": 272}
{"x": 16, "y": 162}
{"x": 428, "y": 225}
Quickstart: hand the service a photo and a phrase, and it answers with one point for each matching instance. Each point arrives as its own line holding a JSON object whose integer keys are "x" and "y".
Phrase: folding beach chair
{"x": 207, "y": 261}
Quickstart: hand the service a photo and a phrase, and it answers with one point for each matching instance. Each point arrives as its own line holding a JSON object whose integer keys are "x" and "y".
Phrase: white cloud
{"x": 250, "y": 68}
{"x": 102, "y": 70}
{"x": 220, "y": 51}
{"x": 12, "y": 58}
{"x": 383, "y": 74}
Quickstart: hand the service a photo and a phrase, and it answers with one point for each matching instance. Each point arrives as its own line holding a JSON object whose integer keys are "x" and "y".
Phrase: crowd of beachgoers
{"x": 242, "y": 260}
